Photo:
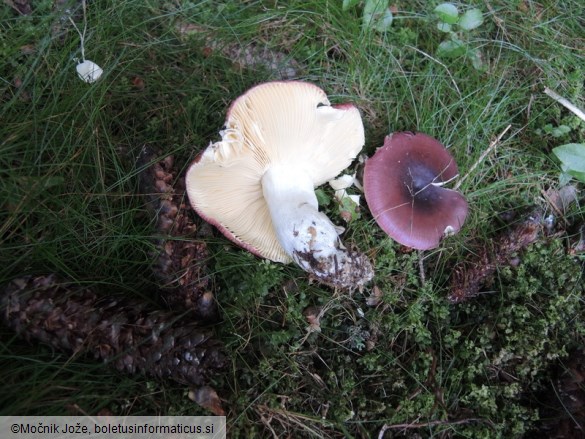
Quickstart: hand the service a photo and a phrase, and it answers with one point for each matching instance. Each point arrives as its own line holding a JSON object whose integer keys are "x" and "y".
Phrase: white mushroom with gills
{"x": 257, "y": 184}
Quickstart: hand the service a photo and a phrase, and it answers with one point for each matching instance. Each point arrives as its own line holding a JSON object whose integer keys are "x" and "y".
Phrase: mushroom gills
{"x": 306, "y": 234}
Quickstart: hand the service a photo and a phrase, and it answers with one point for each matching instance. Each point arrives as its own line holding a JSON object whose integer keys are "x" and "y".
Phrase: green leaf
{"x": 376, "y": 6}
{"x": 385, "y": 21}
{"x": 322, "y": 198}
{"x": 564, "y": 179}
{"x": 471, "y": 19}
{"x": 444, "y": 27}
{"x": 572, "y": 158}
{"x": 578, "y": 175}
{"x": 349, "y": 4}
{"x": 376, "y": 14}
{"x": 447, "y": 13}
{"x": 572, "y": 155}
{"x": 560, "y": 131}
{"x": 451, "y": 48}
{"x": 477, "y": 60}
{"x": 349, "y": 210}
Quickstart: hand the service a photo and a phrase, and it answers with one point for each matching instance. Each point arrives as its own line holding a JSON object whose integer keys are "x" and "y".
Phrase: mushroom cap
{"x": 403, "y": 189}
{"x": 285, "y": 123}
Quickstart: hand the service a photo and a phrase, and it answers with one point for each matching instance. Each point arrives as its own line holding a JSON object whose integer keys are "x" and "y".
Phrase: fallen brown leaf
{"x": 207, "y": 398}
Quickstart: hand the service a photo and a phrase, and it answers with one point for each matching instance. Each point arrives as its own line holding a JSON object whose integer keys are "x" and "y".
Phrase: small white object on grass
{"x": 341, "y": 184}
{"x": 89, "y": 71}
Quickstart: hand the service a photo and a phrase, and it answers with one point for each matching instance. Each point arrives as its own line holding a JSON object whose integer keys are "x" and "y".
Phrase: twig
{"x": 427, "y": 424}
{"x": 421, "y": 268}
{"x": 565, "y": 103}
{"x": 81, "y": 34}
{"x": 416, "y": 49}
{"x": 499, "y": 22}
{"x": 492, "y": 146}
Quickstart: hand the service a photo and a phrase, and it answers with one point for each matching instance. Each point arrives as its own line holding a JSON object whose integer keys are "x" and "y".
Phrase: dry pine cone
{"x": 181, "y": 259}
{"x": 124, "y": 333}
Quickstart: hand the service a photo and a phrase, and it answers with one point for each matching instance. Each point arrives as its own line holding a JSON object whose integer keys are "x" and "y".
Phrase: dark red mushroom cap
{"x": 403, "y": 185}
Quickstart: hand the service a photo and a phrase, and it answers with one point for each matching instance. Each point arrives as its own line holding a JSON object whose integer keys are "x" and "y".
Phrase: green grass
{"x": 69, "y": 205}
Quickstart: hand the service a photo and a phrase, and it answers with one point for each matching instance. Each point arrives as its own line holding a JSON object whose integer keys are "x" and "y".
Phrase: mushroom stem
{"x": 306, "y": 234}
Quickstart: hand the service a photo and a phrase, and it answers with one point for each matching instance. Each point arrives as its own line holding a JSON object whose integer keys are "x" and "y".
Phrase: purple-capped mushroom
{"x": 403, "y": 185}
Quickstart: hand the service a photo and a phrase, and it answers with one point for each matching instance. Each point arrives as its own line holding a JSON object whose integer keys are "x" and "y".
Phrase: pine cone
{"x": 124, "y": 333}
{"x": 470, "y": 276}
{"x": 181, "y": 258}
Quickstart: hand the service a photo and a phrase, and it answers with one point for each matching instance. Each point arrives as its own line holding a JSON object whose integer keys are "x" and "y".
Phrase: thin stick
{"x": 565, "y": 103}
{"x": 499, "y": 22}
{"x": 441, "y": 64}
{"x": 427, "y": 424}
{"x": 421, "y": 268}
{"x": 81, "y": 34}
{"x": 84, "y": 7}
{"x": 492, "y": 146}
